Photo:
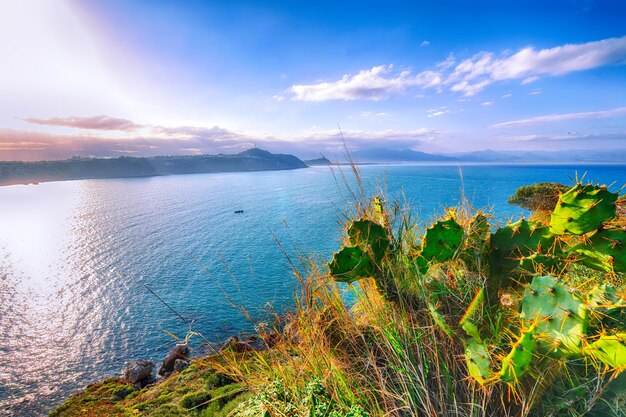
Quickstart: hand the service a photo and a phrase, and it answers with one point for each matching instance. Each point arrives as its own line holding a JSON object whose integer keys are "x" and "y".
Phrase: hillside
{"x": 126, "y": 167}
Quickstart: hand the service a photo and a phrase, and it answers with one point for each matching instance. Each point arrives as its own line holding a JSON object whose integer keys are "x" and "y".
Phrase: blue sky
{"x": 119, "y": 77}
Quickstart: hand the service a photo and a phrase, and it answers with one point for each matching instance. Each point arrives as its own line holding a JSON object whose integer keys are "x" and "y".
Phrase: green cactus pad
{"x": 582, "y": 209}
{"x": 562, "y": 317}
{"x": 517, "y": 240}
{"x": 368, "y": 234}
{"x": 539, "y": 263}
{"x": 477, "y": 358}
{"x": 477, "y": 232}
{"x": 420, "y": 264}
{"x": 605, "y": 250}
{"x": 442, "y": 240}
{"x": 350, "y": 264}
{"x": 514, "y": 365}
{"x": 608, "y": 308}
{"x": 476, "y": 241}
{"x": 609, "y": 349}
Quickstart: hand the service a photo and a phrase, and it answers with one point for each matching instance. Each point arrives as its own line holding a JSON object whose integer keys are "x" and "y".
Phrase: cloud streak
{"x": 469, "y": 76}
{"x": 189, "y": 140}
{"x": 375, "y": 84}
{"x": 554, "y": 118}
{"x": 93, "y": 123}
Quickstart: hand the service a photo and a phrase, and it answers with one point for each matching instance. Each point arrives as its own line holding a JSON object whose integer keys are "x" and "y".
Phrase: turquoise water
{"x": 75, "y": 258}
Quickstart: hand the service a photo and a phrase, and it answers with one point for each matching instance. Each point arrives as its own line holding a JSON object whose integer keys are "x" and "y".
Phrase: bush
{"x": 541, "y": 196}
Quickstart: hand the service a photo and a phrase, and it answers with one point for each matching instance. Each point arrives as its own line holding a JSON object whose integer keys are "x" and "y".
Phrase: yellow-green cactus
{"x": 582, "y": 209}
{"x": 562, "y": 317}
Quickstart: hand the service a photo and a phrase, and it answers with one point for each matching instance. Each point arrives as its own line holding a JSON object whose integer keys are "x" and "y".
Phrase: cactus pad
{"x": 477, "y": 358}
{"x": 517, "y": 240}
{"x": 539, "y": 263}
{"x": 419, "y": 264}
{"x": 582, "y": 209}
{"x": 442, "y": 240}
{"x": 514, "y": 365}
{"x": 476, "y": 240}
{"x": 608, "y": 308}
{"x": 350, "y": 264}
{"x": 609, "y": 349}
{"x": 562, "y": 317}
{"x": 605, "y": 250}
{"x": 366, "y": 235}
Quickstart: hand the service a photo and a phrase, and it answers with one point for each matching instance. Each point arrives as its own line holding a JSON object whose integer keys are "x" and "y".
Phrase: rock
{"x": 233, "y": 343}
{"x": 177, "y": 352}
{"x": 181, "y": 364}
{"x": 138, "y": 371}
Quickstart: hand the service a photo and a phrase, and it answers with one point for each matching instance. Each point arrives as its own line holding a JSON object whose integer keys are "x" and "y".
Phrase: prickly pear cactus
{"x": 477, "y": 359}
{"x": 605, "y": 250}
{"x": 562, "y": 317}
{"x": 609, "y": 349}
{"x": 516, "y": 241}
{"x": 476, "y": 242}
{"x": 442, "y": 240}
{"x": 515, "y": 364}
{"x": 419, "y": 264}
{"x": 582, "y": 209}
{"x": 540, "y": 264}
{"x": 380, "y": 214}
{"x": 351, "y": 263}
{"x": 607, "y": 308}
{"x": 368, "y": 235}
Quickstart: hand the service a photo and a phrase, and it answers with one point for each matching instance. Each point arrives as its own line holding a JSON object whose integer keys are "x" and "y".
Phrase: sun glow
{"x": 50, "y": 63}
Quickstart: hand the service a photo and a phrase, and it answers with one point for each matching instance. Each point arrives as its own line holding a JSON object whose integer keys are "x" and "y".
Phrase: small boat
{"x": 238, "y": 211}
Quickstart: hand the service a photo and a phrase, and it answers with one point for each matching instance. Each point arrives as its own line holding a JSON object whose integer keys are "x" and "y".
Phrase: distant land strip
{"x": 12, "y": 173}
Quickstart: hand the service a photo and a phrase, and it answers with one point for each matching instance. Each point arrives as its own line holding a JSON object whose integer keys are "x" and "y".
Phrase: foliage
{"x": 540, "y": 196}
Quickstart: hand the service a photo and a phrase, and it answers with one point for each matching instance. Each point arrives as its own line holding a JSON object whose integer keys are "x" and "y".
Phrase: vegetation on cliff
{"x": 459, "y": 318}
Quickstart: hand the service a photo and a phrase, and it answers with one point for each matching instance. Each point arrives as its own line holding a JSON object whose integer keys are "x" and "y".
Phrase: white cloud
{"x": 469, "y": 76}
{"x": 536, "y": 92}
{"x": 551, "y": 118}
{"x": 507, "y": 95}
{"x": 425, "y": 43}
{"x": 475, "y": 73}
{"x": 440, "y": 111}
{"x": 373, "y": 84}
{"x": 487, "y": 103}
{"x": 530, "y": 79}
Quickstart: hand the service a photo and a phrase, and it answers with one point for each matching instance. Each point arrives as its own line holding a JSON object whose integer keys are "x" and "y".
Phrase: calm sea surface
{"x": 76, "y": 257}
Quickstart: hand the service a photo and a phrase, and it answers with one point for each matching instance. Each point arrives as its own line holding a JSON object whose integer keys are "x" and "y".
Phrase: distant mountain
{"x": 391, "y": 155}
{"x": 124, "y": 167}
{"x": 566, "y": 156}
{"x": 318, "y": 162}
{"x": 382, "y": 155}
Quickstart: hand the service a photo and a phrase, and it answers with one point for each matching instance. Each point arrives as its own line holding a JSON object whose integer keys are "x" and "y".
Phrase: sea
{"x": 96, "y": 273}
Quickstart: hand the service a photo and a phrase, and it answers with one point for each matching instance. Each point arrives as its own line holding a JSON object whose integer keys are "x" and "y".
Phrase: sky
{"x": 153, "y": 77}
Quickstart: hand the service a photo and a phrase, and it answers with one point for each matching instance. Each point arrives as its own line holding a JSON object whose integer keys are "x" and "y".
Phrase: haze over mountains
{"x": 260, "y": 160}
{"x": 381, "y": 155}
